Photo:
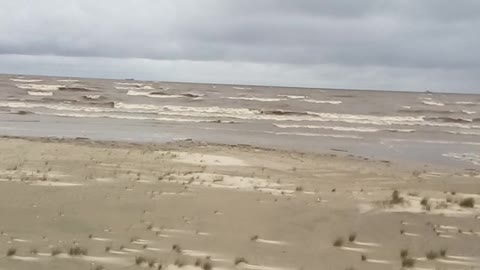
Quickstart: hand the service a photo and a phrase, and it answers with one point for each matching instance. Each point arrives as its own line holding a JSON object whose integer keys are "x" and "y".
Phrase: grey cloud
{"x": 427, "y": 35}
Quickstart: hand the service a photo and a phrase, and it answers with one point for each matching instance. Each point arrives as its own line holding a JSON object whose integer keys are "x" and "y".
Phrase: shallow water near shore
{"x": 417, "y": 128}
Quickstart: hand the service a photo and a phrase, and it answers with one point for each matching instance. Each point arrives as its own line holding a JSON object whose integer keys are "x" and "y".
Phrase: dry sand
{"x": 184, "y": 201}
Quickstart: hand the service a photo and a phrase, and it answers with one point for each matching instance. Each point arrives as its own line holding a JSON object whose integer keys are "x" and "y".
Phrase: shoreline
{"x": 188, "y": 143}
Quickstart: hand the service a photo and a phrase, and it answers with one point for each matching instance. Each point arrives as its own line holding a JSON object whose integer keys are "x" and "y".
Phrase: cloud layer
{"x": 399, "y": 43}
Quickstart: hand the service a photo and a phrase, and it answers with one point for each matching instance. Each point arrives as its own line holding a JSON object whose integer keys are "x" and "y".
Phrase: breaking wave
{"x": 40, "y": 87}
{"x": 257, "y": 99}
{"x": 331, "y": 102}
{"x": 247, "y": 114}
{"x": 39, "y": 93}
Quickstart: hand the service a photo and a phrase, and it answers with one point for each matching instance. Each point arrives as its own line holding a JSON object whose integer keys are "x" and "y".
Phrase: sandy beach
{"x": 83, "y": 204}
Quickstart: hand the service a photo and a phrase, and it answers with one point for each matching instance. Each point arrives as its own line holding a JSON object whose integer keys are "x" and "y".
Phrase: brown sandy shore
{"x": 80, "y": 204}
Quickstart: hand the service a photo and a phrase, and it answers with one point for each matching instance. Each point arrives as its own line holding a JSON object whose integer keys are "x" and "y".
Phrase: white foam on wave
{"x": 346, "y": 129}
{"x": 68, "y": 80}
{"x": 468, "y": 157}
{"x": 188, "y": 111}
{"x": 244, "y": 114}
{"x": 341, "y": 136}
{"x": 292, "y": 96}
{"x": 472, "y": 133}
{"x": 136, "y": 87}
{"x": 92, "y": 97}
{"x": 40, "y": 87}
{"x": 336, "y": 128}
{"x": 433, "y": 141}
{"x": 129, "y": 83}
{"x": 241, "y": 88}
{"x": 26, "y": 80}
{"x": 133, "y": 117}
{"x": 431, "y": 102}
{"x": 257, "y": 99}
{"x": 468, "y": 112}
{"x": 37, "y": 93}
{"x": 331, "y": 102}
{"x": 467, "y": 103}
{"x": 150, "y": 94}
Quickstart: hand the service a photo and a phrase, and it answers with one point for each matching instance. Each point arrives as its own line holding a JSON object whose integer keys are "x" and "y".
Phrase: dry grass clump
{"x": 396, "y": 198}
{"x": 179, "y": 262}
{"x": 431, "y": 255}
{"x": 207, "y": 266}
{"x": 404, "y": 253}
{"x": 77, "y": 251}
{"x": 204, "y": 264}
{"x": 151, "y": 262}
{"x": 254, "y": 237}
{"x": 299, "y": 189}
{"x": 177, "y": 248}
{"x": 55, "y": 251}
{"x": 443, "y": 252}
{"x": 363, "y": 257}
{"x": 408, "y": 262}
{"x": 239, "y": 260}
{"x": 338, "y": 242}
{"x": 424, "y": 201}
{"x": 11, "y": 251}
{"x": 139, "y": 260}
{"x": 467, "y": 202}
{"x": 352, "y": 237}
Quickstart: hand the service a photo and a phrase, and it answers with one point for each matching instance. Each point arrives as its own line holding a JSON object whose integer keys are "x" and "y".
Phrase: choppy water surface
{"x": 430, "y": 128}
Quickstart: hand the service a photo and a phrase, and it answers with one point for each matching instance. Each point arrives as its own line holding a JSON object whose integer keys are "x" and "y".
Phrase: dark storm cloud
{"x": 417, "y": 35}
{"x": 432, "y": 33}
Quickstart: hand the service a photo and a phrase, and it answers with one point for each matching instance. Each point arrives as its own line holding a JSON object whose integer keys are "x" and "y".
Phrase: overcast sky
{"x": 412, "y": 45}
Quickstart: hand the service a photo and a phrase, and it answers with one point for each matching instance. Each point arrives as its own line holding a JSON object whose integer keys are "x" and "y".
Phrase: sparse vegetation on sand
{"x": 33, "y": 251}
{"x": 352, "y": 237}
{"x": 55, "y": 251}
{"x": 204, "y": 264}
{"x": 404, "y": 253}
{"x": 338, "y": 242}
{"x": 299, "y": 189}
{"x": 99, "y": 267}
{"x": 139, "y": 260}
{"x": 179, "y": 262}
{"x": 396, "y": 198}
{"x": 467, "y": 202}
{"x": 77, "y": 251}
{"x": 363, "y": 257}
{"x": 424, "y": 202}
{"x": 408, "y": 262}
{"x": 207, "y": 266}
{"x": 431, "y": 255}
{"x": 177, "y": 248}
{"x": 11, "y": 251}
{"x": 239, "y": 260}
{"x": 254, "y": 237}
{"x": 151, "y": 262}
{"x": 442, "y": 252}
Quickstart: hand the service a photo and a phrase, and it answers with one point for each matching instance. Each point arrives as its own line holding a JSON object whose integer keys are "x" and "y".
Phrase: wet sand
{"x": 210, "y": 204}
